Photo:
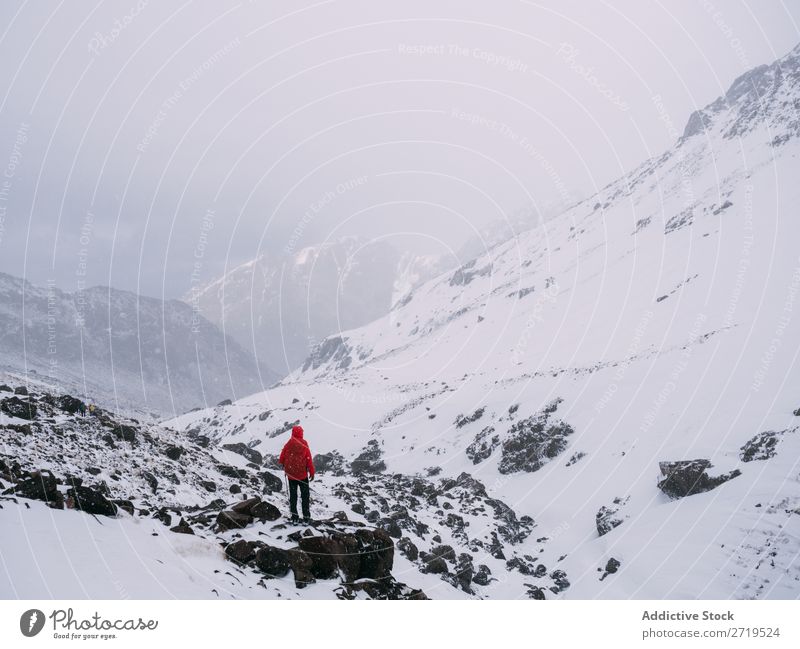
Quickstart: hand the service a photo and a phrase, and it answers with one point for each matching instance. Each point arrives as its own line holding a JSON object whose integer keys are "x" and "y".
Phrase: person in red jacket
{"x": 299, "y": 468}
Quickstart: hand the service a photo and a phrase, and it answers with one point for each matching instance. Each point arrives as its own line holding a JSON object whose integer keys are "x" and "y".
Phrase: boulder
{"x": 19, "y": 408}
{"x": 300, "y": 564}
{"x": 272, "y": 483}
{"x": 125, "y": 433}
{"x": 244, "y": 506}
{"x": 42, "y": 485}
{"x": 483, "y": 576}
{"x": 324, "y": 553}
{"x": 608, "y": 516}
{"x": 70, "y": 404}
{"x": 208, "y": 485}
{"x": 125, "y": 505}
{"x": 377, "y": 554}
{"x": 173, "y": 452}
{"x": 761, "y": 447}
{"x": 687, "y": 477}
{"x": 531, "y": 443}
{"x": 408, "y": 549}
{"x": 21, "y": 389}
{"x": 369, "y": 460}
{"x": 151, "y": 480}
{"x": 245, "y": 451}
{"x": 91, "y": 501}
{"x": 182, "y": 528}
{"x": 265, "y": 511}
{"x": 332, "y": 462}
{"x": 273, "y": 562}
{"x": 241, "y": 551}
{"x": 230, "y": 520}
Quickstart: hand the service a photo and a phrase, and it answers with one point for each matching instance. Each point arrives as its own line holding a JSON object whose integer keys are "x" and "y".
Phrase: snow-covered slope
{"x": 654, "y": 322}
{"x": 121, "y": 349}
{"x": 279, "y": 307}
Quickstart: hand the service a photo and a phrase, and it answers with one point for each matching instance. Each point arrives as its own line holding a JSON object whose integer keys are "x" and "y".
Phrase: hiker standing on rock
{"x": 299, "y": 468}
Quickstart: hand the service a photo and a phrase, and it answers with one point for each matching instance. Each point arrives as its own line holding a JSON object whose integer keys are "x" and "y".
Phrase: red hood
{"x": 297, "y": 433}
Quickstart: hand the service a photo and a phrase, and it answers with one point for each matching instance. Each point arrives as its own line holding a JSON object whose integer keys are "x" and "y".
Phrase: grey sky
{"x": 142, "y": 142}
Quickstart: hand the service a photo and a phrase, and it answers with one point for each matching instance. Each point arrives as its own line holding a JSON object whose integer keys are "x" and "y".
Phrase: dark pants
{"x": 304, "y": 495}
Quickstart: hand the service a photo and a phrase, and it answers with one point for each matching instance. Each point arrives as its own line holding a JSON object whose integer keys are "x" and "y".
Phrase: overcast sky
{"x": 142, "y": 143}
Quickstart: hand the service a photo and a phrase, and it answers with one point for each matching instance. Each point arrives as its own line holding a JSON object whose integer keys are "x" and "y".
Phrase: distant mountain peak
{"x": 766, "y": 96}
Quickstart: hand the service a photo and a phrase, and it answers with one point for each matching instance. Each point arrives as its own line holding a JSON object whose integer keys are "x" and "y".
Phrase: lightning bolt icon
{"x": 32, "y": 621}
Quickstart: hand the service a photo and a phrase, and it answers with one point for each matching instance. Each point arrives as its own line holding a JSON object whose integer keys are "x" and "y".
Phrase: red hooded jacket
{"x": 296, "y": 457}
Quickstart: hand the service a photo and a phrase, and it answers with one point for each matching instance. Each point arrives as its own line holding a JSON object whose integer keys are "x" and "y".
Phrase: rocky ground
{"x": 376, "y": 534}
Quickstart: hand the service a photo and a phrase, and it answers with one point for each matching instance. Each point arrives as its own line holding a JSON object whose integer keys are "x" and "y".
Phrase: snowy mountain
{"x": 624, "y": 375}
{"x": 121, "y": 349}
{"x": 280, "y": 307}
{"x": 603, "y": 407}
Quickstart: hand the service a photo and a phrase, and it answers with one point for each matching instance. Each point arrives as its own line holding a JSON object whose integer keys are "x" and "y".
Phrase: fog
{"x": 151, "y": 145}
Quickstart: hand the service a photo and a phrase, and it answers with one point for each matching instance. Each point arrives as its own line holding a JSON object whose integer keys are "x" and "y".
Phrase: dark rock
{"x": 91, "y": 501}
{"x": 224, "y": 402}
{"x": 208, "y": 485}
{"x": 433, "y": 565}
{"x": 608, "y": 517}
{"x": 125, "y": 505}
{"x": 125, "y": 433}
{"x": 483, "y": 576}
{"x": 359, "y": 508}
{"x": 244, "y": 506}
{"x": 182, "y": 528}
{"x": 532, "y": 442}
{"x": 377, "y": 554}
{"x": 42, "y": 485}
{"x": 151, "y": 480}
{"x": 173, "y": 452}
{"x": 300, "y": 564}
{"x": 484, "y": 444}
{"x": 70, "y": 404}
{"x": 230, "y": 520}
{"x": 5, "y": 388}
{"x": 235, "y": 489}
{"x": 687, "y": 477}
{"x": 21, "y": 389}
{"x": 245, "y": 451}
{"x": 535, "y": 592}
{"x": 445, "y": 551}
{"x": 560, "y": 580}
{"x": 273, "y": 562}
{"x": 202, "y": 440}
{"x": 368, "y": 461}
{"x": 464, "y": 572}
{"x": 761, "y": 447}
{"x": 19, "y": 408}
{"x": 324, "y": 553}
{"x": 332, "y": 462}
{"x": 391, "y": 527}
{"x": 462, "y": 420}
{"x": 241, "y": 551}
{"x": 231, "y": 472}
{"x": 265, "y": 511}
{"x": 164, "y": 516}
{"x": 575, "y": 457}
{"x": 612, "y": 566}
{"x": 408, "y": 549}
{"x": 272, "y": 483}
{"x": 524, "y": 565}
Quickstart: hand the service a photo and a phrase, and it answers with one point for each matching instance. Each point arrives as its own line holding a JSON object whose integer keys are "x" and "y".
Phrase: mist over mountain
{"x": 279, "y": 307}
{"x": 122, "y": 350}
